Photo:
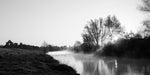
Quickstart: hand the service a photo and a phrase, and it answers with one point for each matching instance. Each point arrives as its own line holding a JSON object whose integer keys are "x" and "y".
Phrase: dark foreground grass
{"x": 24, "y": 62}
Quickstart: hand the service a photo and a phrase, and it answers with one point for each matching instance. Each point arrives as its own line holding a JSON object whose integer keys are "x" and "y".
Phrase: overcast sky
{"x": 60, "y": 22}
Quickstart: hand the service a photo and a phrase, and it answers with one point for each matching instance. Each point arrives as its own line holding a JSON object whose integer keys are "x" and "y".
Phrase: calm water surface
{"x": 90, "y": 65}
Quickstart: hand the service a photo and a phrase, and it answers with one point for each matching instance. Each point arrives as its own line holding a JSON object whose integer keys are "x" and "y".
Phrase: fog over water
{"x": 86, "y": 64}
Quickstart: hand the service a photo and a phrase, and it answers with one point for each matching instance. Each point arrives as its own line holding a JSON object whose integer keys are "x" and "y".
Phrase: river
{"x": 86, "y": 64}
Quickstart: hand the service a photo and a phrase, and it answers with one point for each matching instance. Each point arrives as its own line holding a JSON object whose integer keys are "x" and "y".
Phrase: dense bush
{"x": 85, "y": 48}
{"x": 133, "y": 48}
{"x": 88, "y": 48}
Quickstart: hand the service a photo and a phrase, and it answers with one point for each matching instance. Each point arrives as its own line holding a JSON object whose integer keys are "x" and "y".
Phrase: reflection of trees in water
{"x": 89, "y": 68}
{"x": 93, "y": 66}
{"x": 96, "y": 68}
{"x": 133, "y": 67}
{"x": 104, "y": 69}
{"x": 109, "y": 67}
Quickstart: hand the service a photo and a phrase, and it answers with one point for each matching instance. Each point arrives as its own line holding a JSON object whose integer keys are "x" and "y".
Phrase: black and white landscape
{"x": 74, "y": 37}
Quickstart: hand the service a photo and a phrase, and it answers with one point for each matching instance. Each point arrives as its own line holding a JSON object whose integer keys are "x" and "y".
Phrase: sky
{"x": 61, "y": 22}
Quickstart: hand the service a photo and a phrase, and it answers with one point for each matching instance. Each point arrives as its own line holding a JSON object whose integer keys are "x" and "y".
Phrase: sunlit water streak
{"x": 89, "y": 65}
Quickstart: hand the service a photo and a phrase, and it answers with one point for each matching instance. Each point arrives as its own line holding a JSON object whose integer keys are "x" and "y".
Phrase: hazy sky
{"x": 60, "y": 22}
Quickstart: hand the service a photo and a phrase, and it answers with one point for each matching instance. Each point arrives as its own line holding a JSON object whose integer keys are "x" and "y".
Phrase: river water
{"x": 86, "y": 64}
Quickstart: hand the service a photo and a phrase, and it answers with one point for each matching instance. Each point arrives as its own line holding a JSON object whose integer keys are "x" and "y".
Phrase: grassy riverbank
{"x": 26, "y": 62}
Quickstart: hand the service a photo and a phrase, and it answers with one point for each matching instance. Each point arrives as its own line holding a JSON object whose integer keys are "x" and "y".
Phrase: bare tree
{"x": 146, "y": 6}
{"x": 45, "y": 46}
{"x": 113, "y": 26}
{"x": 93, "y": 31}
{"x": 98, "y": 30}
{"x": 146, "y": 23}
{"x": 87, "y": 39}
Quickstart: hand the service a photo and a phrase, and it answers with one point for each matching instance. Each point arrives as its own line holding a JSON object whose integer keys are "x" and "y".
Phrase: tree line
{"x": 132, "y": 45}
{"x": 10, "y": 44}
{"x": 45, "y": 47}
{"x": 99, "y": 31}
{"x": 135, "y": 46}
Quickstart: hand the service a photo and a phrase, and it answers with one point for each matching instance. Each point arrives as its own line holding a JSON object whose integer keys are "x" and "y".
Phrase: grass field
{"x": 30, "y": 62}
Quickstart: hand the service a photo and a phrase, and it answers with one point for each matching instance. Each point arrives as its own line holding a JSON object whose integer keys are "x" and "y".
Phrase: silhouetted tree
{"x": 9, "y": 44}
{"x": 146, "y": 6}
{"x": 77, "y": 43}
{"x": 77, "y": 46}
{"x": 87, "y": 39}
{"x": 63, "y": 47}
{"x": 113, "y": 26}
{"x": 20, "y": 45}
{"x": 93, "y": 31}
{"x": 45, "y": 47}
{"x": 98, "y": 30}
{"x": 15, "y": 45}
{"x": 146, "y": 23}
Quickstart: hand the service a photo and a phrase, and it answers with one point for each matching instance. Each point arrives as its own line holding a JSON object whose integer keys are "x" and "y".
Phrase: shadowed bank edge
{"x": 28, "y": 62}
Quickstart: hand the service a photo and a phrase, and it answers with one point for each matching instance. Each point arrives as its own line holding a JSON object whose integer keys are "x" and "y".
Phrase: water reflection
{"x": 116, "y": 67}
{"x": 103, "y": 66}
{"x": 98, "y": 68}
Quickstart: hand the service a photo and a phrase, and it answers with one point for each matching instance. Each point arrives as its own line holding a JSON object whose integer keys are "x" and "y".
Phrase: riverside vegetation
{"x": 17, "y": 61}
{"x": 99, "y": 34}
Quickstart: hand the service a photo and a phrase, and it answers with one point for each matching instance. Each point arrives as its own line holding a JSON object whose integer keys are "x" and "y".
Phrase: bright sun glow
{"x": 115, "y": 38}
{"x": 61, "y": 22}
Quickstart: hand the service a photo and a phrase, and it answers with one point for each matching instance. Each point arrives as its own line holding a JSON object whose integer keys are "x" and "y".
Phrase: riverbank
{"x": 26, "y": 62}
{"x": 137, "y": 48}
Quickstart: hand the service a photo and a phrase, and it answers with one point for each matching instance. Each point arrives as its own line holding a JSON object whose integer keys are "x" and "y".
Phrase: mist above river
{"x": 86, "y": 64}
